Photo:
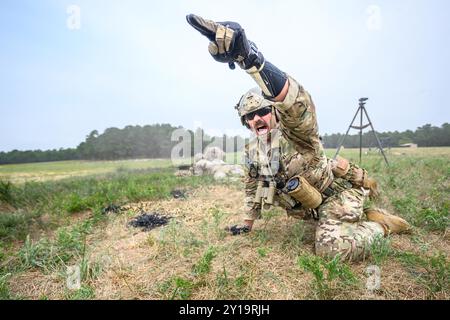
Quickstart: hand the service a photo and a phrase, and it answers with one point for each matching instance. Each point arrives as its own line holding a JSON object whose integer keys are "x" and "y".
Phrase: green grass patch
{"x": 262, "y": 251}
{"x": 4, "y": 288}
{"x": 177, "y": 288}
{"x": 330, "y": 277}
{"x": 15, "y": 225}
{"x": 6, "y": 192}
{"x": 84, "y": 293}
{"x": 204, "y": 265}
{"x": 431, "y": 272}
{"x": 49, "y": 255}
{"x": 380, "y": 249}
{"x": 65, "y": 197}
{"x": 294, "y": 236}
{"x": 434, "y": 219}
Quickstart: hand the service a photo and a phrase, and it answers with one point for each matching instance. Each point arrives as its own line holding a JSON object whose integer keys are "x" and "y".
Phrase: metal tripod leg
{"x": 345, "y": 136}
{"x": 361, "y": 108}
{"x": 376, "y": 137}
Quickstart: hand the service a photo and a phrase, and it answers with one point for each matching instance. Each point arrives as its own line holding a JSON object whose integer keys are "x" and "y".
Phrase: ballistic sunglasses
{"x": 260, "y": 112}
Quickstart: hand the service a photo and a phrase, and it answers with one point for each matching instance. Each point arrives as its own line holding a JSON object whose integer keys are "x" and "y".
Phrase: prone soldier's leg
{"x": 340, "y": 229}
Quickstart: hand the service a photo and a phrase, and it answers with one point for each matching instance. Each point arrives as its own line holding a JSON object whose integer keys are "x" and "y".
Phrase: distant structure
{"x": 409, "y": 145}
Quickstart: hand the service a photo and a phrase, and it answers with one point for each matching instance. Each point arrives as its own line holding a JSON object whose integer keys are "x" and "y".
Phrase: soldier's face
{"x": 261, "y": 124}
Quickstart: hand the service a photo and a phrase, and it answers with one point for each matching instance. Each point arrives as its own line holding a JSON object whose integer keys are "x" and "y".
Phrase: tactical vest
{"x": 273, "y": 160}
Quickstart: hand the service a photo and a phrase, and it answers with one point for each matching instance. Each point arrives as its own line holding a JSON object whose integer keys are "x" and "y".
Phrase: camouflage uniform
{"x": 295, "y": 149}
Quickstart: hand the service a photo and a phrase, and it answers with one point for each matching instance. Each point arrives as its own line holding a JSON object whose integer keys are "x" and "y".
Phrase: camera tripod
{"x": 361, "y": 109}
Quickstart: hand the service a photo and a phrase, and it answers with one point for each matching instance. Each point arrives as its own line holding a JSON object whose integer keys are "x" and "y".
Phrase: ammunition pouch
{"x": 302, "y": 191}
{"x": 309, "y": 197}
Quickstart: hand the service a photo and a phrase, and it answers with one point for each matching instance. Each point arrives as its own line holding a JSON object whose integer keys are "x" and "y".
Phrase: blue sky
{"x": 138, "y": 62}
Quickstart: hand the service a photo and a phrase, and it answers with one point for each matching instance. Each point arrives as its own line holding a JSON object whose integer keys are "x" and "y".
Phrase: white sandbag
{"x": 220, "y": 175}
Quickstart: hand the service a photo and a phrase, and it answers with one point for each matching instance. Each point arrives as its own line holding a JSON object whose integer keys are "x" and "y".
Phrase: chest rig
{"x": 266, "y": 166}
{"x": 279, "y": 178}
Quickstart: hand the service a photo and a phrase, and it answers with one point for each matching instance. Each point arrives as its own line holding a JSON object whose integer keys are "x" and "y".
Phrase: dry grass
{"x": 261, "y": 265}
{"x": 36, "y": 285}
{"x": 193, "y": 258}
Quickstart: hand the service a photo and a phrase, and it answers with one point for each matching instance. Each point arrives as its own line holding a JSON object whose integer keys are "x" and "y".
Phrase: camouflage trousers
{"x": 341, "y": 230}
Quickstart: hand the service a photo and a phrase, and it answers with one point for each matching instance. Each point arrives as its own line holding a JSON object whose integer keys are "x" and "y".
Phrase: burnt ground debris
{"x": 111, "y": 208}
{"x": 149, "y": 221}
{"x": 178, "y": 194}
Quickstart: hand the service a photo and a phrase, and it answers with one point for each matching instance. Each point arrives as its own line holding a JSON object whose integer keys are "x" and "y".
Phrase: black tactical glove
{"x": 236, "y": 230}
{"x": 229, "y": 43}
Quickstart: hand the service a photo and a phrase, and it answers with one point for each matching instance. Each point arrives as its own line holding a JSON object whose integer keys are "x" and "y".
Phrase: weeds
{"x": 380, "y": 249}
{"x": 419, "y": 195}
{"x": 73, "y": 195}
{"x": 177, "y": 288}
{"x": 84, "y": 293}
{"x": 222, "y": 282}
{"x": 240, "y": 281}
{"x": 261, "y": 235}
{"x": 295, "y": 235}
{"x": 50, "y": 255}
{"x": 15, "y": 225}
{"x": 4, "y": 289}
{"x": 204, "y": 265}
{"x": 89, "y": 270}
{"x": 329, "y": 276}
{"x": 176, "y": 237}
{"x": 435, "y": 219}
{"x": 6, "y": 193}
{"x": 218, "y": 217}
{"x": 431, "y": 272}
{"x": 439, "y": 273}
{"x": 76, "y": 203}
{"x": 262, "y": 252}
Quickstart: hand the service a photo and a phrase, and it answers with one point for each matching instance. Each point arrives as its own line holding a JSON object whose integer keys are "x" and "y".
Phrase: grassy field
{"x": 44, "y": 171}
{"x": 52, "y": 216}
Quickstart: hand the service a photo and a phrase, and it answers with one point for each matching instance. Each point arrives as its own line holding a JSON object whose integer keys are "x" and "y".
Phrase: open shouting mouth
{"x": 261, "y": 128}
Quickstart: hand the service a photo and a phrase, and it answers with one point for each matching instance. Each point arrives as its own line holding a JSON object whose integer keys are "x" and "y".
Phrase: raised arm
{"x": 229, "y": 44}
{"x": 295, "y": 109}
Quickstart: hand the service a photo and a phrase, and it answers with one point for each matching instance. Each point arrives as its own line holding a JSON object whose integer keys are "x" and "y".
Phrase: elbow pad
{"x": 269, "y": 78}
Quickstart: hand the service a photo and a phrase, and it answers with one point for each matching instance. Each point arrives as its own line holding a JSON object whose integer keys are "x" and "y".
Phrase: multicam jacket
{"x": 295, "y": 143}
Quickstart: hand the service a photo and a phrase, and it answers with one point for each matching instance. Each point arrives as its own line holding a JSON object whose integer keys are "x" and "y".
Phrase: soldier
{"x": 286, "y": 164}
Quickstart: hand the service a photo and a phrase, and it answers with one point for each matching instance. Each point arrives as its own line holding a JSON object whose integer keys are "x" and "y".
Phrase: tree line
{"x": 425, "y": 136}
{"x": 131, "y": 142}
{"x": 154, "y": 141}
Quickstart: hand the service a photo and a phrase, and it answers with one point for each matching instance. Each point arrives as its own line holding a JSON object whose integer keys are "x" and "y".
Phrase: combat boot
{"x": 390, "y": 223}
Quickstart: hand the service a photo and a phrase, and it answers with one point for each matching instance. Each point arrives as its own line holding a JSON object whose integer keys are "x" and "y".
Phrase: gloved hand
{"x": 229, "y": 43}
{"x": 372, "y": 185}
{"x": 236, "y": 230}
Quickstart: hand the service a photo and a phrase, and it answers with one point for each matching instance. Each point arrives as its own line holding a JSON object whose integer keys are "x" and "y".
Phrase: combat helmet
{"x": 251, "y": 101}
